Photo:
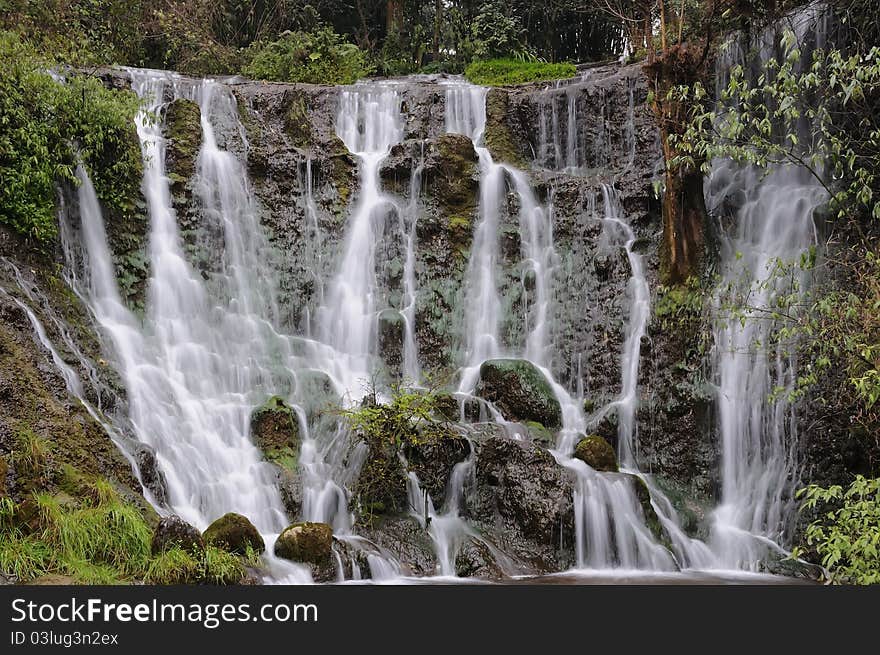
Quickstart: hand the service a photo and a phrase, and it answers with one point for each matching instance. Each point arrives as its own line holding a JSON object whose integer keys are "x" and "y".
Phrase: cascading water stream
{"x": 369, "y": 123}
{"x": 755, "y": 370}
{"x": 609, "y": 521}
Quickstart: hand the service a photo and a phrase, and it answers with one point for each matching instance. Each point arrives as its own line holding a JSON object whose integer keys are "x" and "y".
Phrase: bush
{"x": 503, "y": 72}
{"x": 495, "y": 34}
{"x": 48, "y": 128}
{"x": 847, "y": 534}
{"x": 319, "y": 57}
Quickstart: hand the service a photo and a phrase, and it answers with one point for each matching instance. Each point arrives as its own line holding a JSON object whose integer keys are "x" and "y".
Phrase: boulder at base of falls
{"x": 310, "y": 543}
{"x": 234, "y": 533}
{"x": 596, "y": 453}
{"x": 522, "y": 502}
{"x": 519, "y": 391}
{"x": 275, "y": 430}
{"x": 174, "y": 532}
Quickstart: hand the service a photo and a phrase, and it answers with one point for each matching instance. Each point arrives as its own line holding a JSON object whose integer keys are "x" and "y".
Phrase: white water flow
{"x": 639, "y": 312}
{"x": 466, "y": 114}
{"x": 446, "y": 528}
{"x": 609, "y": 520}
{"x": 408, "y": 222}
{"x": 201, "y": 359}
{"x": 369, "y": 122}
{"x": 755, "y": 369}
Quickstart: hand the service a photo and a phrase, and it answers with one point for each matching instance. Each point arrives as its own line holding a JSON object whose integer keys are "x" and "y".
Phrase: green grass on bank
{"x": 504, "y": 72}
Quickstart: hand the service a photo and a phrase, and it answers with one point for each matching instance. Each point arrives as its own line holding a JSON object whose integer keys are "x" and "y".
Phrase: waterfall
{"x": 637, "y": 323}
{"x": 466, "y": 114}
{"x": 755, "y": 370}
{"x": 408, "y": 222}
{"x": 609, "y": 521}
{"x": 369, "y": 123}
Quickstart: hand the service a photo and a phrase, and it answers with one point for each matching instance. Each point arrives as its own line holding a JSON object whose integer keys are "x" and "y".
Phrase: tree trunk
{"x": 438, "y": 16}
{"x": 684, "y": 208}
{"x": 394, "y": 16}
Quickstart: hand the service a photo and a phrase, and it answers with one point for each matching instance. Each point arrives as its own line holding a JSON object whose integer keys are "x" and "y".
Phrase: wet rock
{"x": 310, "y": 543}
{"x": 521, "y": 489}
{"x": 381, "y": 483}
{"x": 173, "y": 531}
{"x": 184, "y": 133}
{"x": 289, "y": 483}
{"x": 151, "y": 476}
{"x": 519, "y": 391}
{"x": 499, "y": 135}
{"x": 433, "y": 459}
{"x": 391, "y": 330}
{"x": 234, "y": 533}
{"x": 406, "y": 541}
{"x": 597, "y": 453}
{"x": 643, "y": 494}
{"x": 475, "y": 560}
{"x": 451, "y": 175}
{"x": 315, "y": 393}
{"x": 275, "y": 431}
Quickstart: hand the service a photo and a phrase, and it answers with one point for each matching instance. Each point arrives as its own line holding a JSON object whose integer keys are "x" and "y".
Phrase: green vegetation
{"x": 98, "y": 539}
{"x": 846, "y": 535}
{"x": 49, "y": 127}
{"x": 318, "y": 57}
{"x": 409, "y": 418}
{"x": 504, "y": 72}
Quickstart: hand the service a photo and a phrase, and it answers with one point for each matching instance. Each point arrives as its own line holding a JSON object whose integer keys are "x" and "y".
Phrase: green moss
{"x": 540, "y": 433}
{"x": 183, "y": 129}
{"x": 597, "y": 453}
{"x": 504, "y": 72}
{"x": 296, "y": 119}
{"x": 498, "y": 137}
{"x": 520, "y": 391}
{"x": 234, "y": 533}
{"x": 305, "y": 542}
{"x": 275, "y": 430}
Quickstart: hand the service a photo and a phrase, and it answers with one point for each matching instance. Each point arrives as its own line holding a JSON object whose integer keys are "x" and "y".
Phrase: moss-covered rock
{"x": 4, "y": 467}
{"x": 381, "y": 484}
{"x": 234, "y": 533}
{"x": 498, "y": 137}
{"x": 297, "y": 125}
{"x": 173, "y": 531}
{"x": 520, "y": 391}
{"x": 308, "y": 542}
{"x": 597, "y": 453}
{"x": 540, "y": 433}
{"x": 183, "y": 129}
{"x": 275, "y": 431}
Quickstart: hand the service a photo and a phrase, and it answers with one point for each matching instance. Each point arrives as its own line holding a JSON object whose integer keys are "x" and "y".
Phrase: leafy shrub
{"x": 49, "y": 127}
{"x": 503, "y": 72}
{"x": 318, "y": 57}
{"x": 495, "y": 33}
{"x": 847, "y": 533}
